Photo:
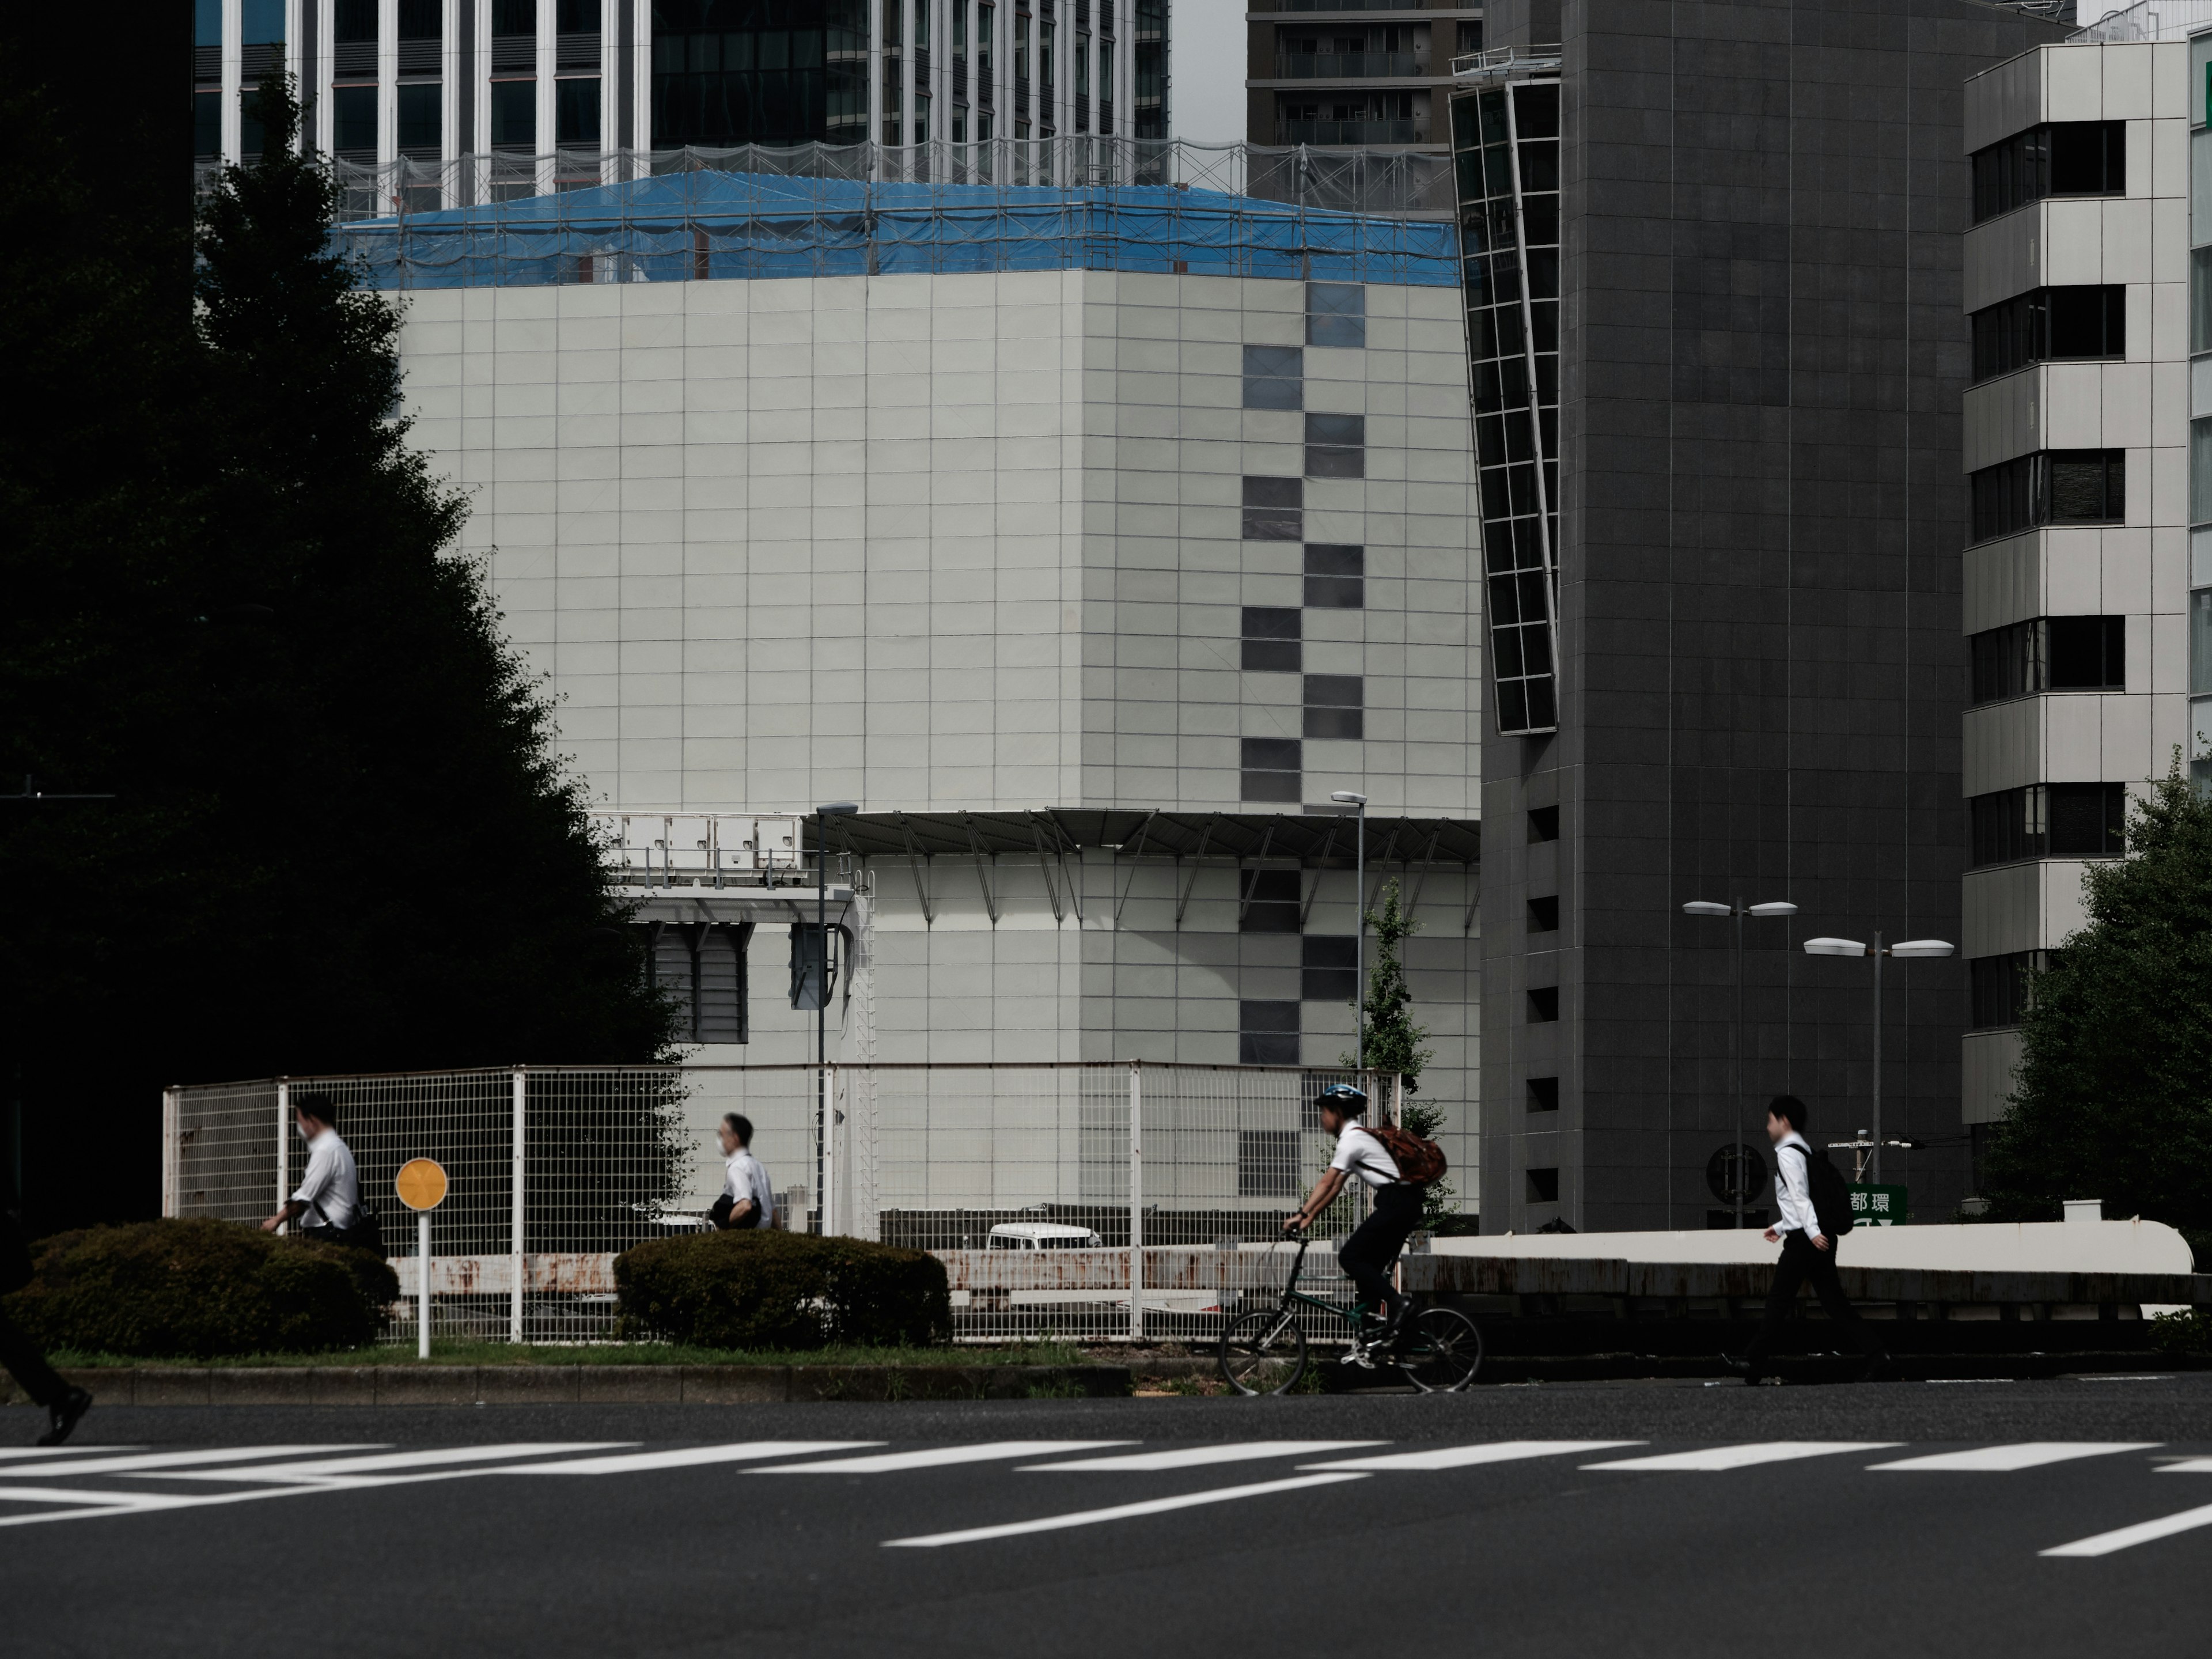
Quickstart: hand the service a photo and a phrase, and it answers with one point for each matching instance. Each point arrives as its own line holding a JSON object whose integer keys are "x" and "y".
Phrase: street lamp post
{"x": 1739, "y": 909}
{"x": 1349, "y": 797}
{"x": 822, "y": 815}
{"x": 1907, "y": 949}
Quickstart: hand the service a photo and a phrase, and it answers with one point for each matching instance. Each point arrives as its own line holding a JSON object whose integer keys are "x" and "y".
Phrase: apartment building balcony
{"x": 1353, "y": 132}
{"x": 1350, "y": 66}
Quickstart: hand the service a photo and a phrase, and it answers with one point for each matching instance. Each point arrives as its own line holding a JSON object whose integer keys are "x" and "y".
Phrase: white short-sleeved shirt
{"x": 743, "y": 1179}
{"x": 1359, "y": 1153}
{"x": 332, "y": 1187}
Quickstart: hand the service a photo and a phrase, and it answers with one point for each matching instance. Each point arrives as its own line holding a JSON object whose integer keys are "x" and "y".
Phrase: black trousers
{"x": 1800, "y": 1262}
{"x": 28, "y": 1366}
{"x": 1375, "y": 1242}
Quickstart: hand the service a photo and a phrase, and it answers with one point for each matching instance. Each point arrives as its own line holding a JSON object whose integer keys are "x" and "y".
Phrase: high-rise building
{"x": 435, "y": 80}
{"x": 1713, "y": 259}
{"x": 2088, "y": 597}
{"x": 1355, "y": 73}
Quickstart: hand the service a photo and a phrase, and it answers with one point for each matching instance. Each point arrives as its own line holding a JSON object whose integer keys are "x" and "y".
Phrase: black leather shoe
{"x": 63, "y": 1416}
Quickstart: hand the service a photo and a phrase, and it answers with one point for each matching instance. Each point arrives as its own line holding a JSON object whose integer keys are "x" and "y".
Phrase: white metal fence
{"x": 1093, "y": 1201}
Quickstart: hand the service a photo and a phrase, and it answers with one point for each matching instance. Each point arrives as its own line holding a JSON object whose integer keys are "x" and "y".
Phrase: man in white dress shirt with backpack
{"x": 1809, "y": 1245}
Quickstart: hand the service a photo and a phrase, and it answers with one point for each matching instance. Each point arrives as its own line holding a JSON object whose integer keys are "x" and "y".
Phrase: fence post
{"x": 172, "y": 1174}
{"x": 828, "y": 1149}
{"x": 1136, "y": 1202}
{"x": 284, "y": 1150}
{"x": 515, "y": 1241}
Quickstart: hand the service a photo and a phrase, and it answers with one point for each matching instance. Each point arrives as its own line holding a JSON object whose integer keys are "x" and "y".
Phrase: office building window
{"x": 726, "y": 76}
{"x": 1336, "y": 315}
{"x": 2050, "y": 653}
{"x": 1544, "y": 1186}
{"x": 1270, "y": 901}
{"x": 2200, "y": 471}
{"x": 1543, "y": 823}
{"x": 2049, "y": 325}
{"x": 1543, "y": 1094}
{"x": 2052, "y": 487}
{"x": 2200, "y": 299}
{"x": 514, "y": 115}
{"x": 1335, "y": 576}
{"x": 1266, "y": 1034}
{"x": 207, "y": 22}
{"x": 1267, "y": 1162}
{"x": 2049, "y": 821}
{"x": 353, "y": 122}
{"x": 576, "y": 111}
{"x": 1336, "y": 446}
{"x": 207, "y": 124}
{"x": 420, "y": 103}
{"x": 1274, "y": 509}
{"x": 1544, "y": 915}
{"x": 1543, "y": 1005}
{"x": 1273, "y": 638}
{"x": 2061, "y": 158}
{"x": 1271, "y": 768}
{"x": 2001, "y": 989}
{"x": 1329, "y": 968}
{"x": 1274, "y": 377}
{"x": 1336, "y": 706}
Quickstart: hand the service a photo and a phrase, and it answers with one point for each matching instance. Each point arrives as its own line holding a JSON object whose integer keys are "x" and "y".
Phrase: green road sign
{"x": 1878, "y": 1206}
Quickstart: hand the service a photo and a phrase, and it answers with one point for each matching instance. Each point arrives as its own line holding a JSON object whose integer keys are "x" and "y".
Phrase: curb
{"x": 581, "y": 1385}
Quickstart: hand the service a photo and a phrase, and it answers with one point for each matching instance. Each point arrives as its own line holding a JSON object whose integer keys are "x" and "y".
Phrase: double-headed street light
{"x": 1739, "y": 909}
{"x": 1351, "y": 798}
{"x": 1908, "y": 948}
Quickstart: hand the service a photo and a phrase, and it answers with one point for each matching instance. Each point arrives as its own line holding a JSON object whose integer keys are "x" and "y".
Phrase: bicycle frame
{"x": 1291, "y": 1295}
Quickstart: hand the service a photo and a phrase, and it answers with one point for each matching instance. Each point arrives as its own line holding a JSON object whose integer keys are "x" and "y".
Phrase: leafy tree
{"x": 1394, "y": 1043}
{"x": 340, "y": 838}
{"x": 2114, "y": 1092}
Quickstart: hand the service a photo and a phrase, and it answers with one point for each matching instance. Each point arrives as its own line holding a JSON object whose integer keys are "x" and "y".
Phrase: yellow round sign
{"x": 421, "y": 1183}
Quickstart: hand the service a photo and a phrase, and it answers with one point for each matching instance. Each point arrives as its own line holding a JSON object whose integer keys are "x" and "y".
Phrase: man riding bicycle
{"x": 1374, "y": 1245}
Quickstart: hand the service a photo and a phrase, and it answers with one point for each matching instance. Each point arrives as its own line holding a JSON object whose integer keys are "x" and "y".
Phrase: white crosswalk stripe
{"x": 341, "y": 1468}
{"x": 1119, "y": 1511}
{"x": 1464, "y": 1457}
{"x": 1193, "y": 1457}
{"x": 685, "y": 1457}
{"x": 1715, "y": 1458}
{"x": 2144, "y": 1532}
{"x": 140, "y": 1461}
{"x": 989, "y": 1451}
{"x": 27, "y": 1453}
{"x": 2026, "y": 1454}
{"x": 2188, "y": 1466}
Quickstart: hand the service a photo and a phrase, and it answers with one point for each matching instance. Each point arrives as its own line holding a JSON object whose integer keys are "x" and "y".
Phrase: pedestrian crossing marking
{"x": 1119, "y": 1511}
{"x": 2144, "y": 1532}
{"x": 145, "y": 1460}
{"x": 1716, "y": 1458}
{"x": 1462, "y": 1457}
{"x": 339, "y": 1468}
{"x": 681, "y": 1457}
{"x": 2189, "y": 1466}
{"x": 27, "y": 1453}
{"x": 988, "y": 1451}
{"x": 1193, "y": 1457}
{"x": 2026, "y": 1454}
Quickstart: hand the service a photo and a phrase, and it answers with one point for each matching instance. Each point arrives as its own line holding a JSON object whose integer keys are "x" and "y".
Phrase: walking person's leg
{"x": 1788, "y": 1275}
{"x": 1829, "y": 1288}
{"x": 64, "y": 1403}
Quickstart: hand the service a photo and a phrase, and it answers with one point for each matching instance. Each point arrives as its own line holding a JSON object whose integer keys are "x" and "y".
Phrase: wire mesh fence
{"x": 1102, "y": 1202}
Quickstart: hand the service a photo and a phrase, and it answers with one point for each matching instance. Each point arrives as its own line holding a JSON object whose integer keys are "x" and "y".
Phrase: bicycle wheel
{"x": 1440, "y": 1352}
{"x": 1263, "y": 1353}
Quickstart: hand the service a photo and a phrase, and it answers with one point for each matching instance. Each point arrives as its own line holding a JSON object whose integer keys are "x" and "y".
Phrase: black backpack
{"x": 1831, "y": 1199}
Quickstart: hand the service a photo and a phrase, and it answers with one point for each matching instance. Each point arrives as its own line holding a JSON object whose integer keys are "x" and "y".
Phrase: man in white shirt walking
{"x": 1375, "y": 1243}
{"x": 329, "y": 1194}
{"x": 1808, "y": 1253}
{"x": 746, "y": 1201}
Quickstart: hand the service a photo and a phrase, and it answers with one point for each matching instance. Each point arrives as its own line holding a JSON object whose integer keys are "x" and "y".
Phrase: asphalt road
{"x": 636, "y": 1530}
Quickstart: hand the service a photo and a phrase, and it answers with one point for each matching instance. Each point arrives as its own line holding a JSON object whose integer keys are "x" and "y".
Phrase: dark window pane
{"x": 2085, "y": 486}
{"x": 1543, "y": 1005}
{"x": 2088, "y": 653}
{"x": 2007, "y": 662}
{"x": 1340, "y": 724}
{"x": 423, "y": 20}
{"x": 1324, "y": 461}
{"x": 1267, "y": 1162}
{"x": 1270, "y": 755}
{"x": 1269, "y": 622}
{"x": 576, "y": 111}
{"x": 1543, "y": 823}
{"x": 1544, "y": 915}
{"x": 1274, "y": 377}
{"x": 2086, "y": 820}
{"x": 1335, "y": 593}
{"x": 207, "y": 22}
{"x": 511, "y": 16}
{"x": 1336, "y": 429}
{"x": 1275, "y": 1016}
{"x": 207, "y": 124}
{"x": 1255, "y": 1050}
{"x": 1543, "y": 1094}
{"x": 1544, "y": 1186}
{"x": 1335, "y": 559}
{"x": 353, "y": 120}
{"x": 1273, "y": 656}
{"x": 1268, "y": 787}
{"x": 1335, "y": 690}
{"x": 353, "y": 22}
{"x": 515, "y": 114}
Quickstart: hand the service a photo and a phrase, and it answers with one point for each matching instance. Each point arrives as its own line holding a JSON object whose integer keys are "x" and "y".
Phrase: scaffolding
{"x": 823, "y": 211}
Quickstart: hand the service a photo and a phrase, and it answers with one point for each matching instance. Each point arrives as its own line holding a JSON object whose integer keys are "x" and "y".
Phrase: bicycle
{"x": 1437, "y": 1350}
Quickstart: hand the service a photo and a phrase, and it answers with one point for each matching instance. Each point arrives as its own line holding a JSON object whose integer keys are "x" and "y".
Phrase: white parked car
{"x": 1042, "y": 1236}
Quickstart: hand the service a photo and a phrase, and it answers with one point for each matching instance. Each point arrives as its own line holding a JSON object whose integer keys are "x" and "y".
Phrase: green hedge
{"x": 200, "y": 1288}
{"x": 782, "y": 1291}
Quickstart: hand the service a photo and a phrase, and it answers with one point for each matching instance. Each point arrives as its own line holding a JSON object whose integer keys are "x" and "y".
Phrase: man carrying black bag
{"x": 330, "y": 1191}
{"x": 64, "y": 1402}
{"x": 1808, "y": 1230}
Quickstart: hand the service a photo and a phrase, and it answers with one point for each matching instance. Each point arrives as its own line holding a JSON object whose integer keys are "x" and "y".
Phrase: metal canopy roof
{"x": 1315, "y": 839}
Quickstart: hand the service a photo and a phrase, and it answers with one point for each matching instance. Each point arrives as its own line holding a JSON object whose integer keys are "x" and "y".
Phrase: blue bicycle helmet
{"x": 1347, "y": 1099}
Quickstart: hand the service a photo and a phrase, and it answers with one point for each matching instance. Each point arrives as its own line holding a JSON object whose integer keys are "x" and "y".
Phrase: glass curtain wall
{"x": 1505, "y": 143}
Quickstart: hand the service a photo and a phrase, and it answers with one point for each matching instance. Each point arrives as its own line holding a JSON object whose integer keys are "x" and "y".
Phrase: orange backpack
{"x": 1419, "y": 1160}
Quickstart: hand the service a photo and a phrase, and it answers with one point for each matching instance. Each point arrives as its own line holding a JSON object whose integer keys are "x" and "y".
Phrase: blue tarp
{"x": 696, "y": 224}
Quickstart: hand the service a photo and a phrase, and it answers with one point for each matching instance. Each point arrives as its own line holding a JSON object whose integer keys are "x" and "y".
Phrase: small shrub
{"x": 197, "y": 1289}
{"x": 2182, "y": 1334}
{"x": 782, "y": 1291}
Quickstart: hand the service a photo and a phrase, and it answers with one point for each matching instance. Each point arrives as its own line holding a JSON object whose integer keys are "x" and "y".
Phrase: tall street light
{"x": 1851, "y": 947}
{"x": 822, "y": 815}
{"x": 1347, "y": 798}
{"x": 1739, "y": 909}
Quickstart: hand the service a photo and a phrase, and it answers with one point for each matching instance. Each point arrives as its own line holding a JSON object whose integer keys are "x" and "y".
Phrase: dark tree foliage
{"x": 339, "y": 838}
{"x": 2114, "y": 1095}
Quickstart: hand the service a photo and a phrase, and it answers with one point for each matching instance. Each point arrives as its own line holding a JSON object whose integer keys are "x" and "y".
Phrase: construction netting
{"x": 823, "y": 211}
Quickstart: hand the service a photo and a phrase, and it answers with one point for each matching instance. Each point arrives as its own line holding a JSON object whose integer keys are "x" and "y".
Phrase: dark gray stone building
{"x": 1714, "y": 281}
